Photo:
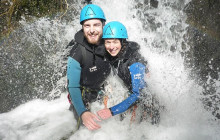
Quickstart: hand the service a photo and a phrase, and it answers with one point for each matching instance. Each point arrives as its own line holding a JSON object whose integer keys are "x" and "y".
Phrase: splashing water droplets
{"x": 160, "y": 33}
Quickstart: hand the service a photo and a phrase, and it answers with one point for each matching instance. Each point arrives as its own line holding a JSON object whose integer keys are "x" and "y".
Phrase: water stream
{"x": 162, "y": 34}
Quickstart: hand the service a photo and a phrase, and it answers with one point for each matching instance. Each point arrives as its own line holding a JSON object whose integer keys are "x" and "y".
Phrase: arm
{"x": 137, "y": 71}
{"x": 73, "y": 76}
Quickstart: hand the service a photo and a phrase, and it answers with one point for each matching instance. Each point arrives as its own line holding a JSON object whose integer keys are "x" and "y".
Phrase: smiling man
{"x": 86, "y": 67}
{"x": 93, "y": 31}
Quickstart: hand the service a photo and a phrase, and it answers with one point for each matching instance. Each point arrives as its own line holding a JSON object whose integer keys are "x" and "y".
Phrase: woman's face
{"x": 113, "y": 46}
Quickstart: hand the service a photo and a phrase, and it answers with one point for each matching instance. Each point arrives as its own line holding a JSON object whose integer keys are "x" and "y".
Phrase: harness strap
{"x": 133, "y": 114}
{"x": 83, "y": 89}
{"x": 105, "y": 101}
{"x": 78, "y": 123}
{"x": 89, "y": 89}
{"x": 69, "y": 99}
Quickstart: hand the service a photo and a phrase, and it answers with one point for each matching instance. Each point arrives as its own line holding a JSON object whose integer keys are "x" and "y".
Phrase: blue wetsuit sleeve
{"x": 73, "y": 77}
{"x": 137, "y": 71}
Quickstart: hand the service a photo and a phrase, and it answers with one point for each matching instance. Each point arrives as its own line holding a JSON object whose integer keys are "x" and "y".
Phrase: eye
{"x": 86, "y": 26}
{"x": 97, "y": 25}
{"x": 107, "y": 43}
{"x": 116, "y": 42}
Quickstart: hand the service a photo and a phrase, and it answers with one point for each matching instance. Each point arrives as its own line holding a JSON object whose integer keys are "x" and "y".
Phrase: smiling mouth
{"x": 93, "y": 35}
{"x": 113, "y": 51}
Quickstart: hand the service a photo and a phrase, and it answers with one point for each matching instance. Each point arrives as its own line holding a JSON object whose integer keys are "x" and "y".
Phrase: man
{"x": 86, "y": 67}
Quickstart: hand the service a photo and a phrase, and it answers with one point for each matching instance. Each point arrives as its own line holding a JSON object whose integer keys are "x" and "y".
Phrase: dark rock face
{"x": 25, "y": 72}
{"x": 205, "y": 16}
{"x": 13, "y": 11}
{"x": 204, "y": 32}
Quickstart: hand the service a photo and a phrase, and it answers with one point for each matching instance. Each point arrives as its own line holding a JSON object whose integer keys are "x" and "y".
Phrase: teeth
{"x": 93, "y": 35}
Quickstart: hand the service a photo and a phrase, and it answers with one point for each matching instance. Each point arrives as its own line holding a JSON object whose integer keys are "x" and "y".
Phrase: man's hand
{"x": 104, "y": 113}
{"x": 88, "y": 120}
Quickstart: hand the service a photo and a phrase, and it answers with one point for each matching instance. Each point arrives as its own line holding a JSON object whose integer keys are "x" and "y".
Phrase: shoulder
{"x": 133, "y": 45}
{"x": 136, "y": 56}
{"x": 132, "y": 49}
{"x": 79, "y": 37}
{"x": 76, "y": 51}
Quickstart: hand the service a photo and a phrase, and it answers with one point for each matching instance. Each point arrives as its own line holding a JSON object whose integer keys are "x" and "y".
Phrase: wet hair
{"x": 103, "y": 22}
{"x": 124, "y": 43}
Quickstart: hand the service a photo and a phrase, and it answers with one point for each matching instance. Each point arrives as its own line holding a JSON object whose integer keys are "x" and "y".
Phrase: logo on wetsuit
{"x": 92, "y": 69}
{"x": 137, "y": 76}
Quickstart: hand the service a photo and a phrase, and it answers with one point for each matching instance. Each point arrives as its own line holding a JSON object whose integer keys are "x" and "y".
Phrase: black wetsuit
{"x": 129, "y": 55}
{"x": 130, "y": 66}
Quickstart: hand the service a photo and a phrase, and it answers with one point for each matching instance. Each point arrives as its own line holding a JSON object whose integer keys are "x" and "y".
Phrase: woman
{"x": 126, "y": 62}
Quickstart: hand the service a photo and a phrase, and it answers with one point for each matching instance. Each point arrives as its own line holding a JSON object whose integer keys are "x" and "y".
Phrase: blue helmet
{"x": 115, "y": 29}
{"x": 91, "y": 11}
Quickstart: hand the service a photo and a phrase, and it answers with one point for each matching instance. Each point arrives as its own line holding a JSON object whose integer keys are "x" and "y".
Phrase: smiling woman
{"x": 128, "y": 64}
{"x": 113, "y": 46}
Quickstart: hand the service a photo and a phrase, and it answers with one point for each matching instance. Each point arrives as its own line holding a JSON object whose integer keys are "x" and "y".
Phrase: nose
{"x": 111, "y": 46}
{"x": 92, "y": 30}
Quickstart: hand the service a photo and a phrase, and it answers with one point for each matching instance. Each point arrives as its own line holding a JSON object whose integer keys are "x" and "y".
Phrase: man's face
{"x": 93, "y": 31}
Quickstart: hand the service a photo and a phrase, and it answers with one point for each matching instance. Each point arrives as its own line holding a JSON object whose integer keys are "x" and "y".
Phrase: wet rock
{"x": 204, "y": 38}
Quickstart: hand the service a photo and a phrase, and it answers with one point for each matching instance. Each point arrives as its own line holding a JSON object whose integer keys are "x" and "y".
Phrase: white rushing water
{"x": 183, "y": 116}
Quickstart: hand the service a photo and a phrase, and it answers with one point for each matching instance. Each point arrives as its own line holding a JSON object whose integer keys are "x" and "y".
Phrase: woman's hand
{"x": 104, "y": 113}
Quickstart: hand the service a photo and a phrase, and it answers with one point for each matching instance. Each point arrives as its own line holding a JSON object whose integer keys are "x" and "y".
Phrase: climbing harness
{"x": 105, "y": 101}
{"x": 133, "y": 116}
{"x": 88, "y": 95}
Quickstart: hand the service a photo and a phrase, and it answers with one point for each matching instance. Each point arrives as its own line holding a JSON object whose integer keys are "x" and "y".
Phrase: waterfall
{"x": 37, "y": 54}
